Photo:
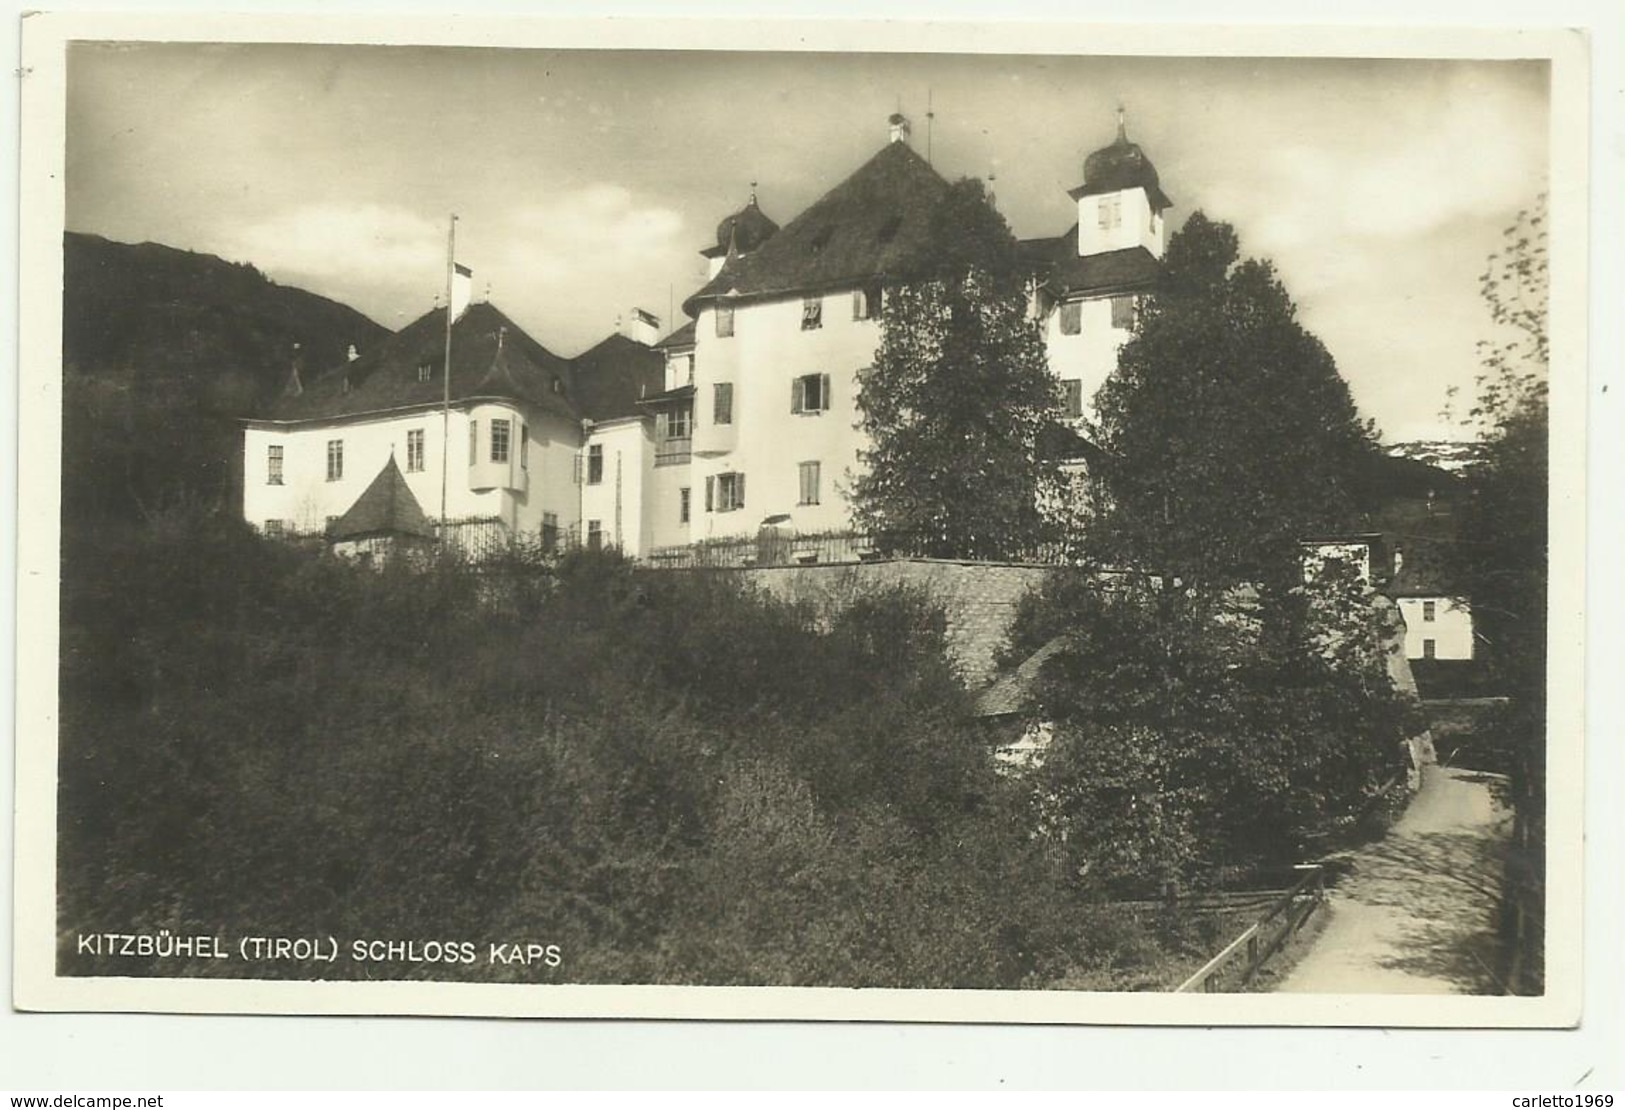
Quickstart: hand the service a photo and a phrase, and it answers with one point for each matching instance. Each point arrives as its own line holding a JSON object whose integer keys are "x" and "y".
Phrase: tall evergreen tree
{"x": 1228, "y": 433}
{"x": 958, "y": 401}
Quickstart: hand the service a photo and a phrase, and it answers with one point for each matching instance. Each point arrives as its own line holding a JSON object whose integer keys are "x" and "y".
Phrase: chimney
{"x": 899, "y": 127}
{"x": 642, "y": 327}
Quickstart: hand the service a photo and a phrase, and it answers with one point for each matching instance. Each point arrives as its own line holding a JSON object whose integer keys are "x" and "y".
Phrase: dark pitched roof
{"x": 682, "y": 337}
{"x": 386, "y": 507}
{"x": 613, "y": 376}
{"x": 1013, "y": 693}
{"x": 1064, "y": 272}
{"x": 876, "y": 223}
{"x": 490, "y": 355}
{"x": 1064, "y": 443}
{"x": 1423, "y": 574}
{"x": 681, "y": 393}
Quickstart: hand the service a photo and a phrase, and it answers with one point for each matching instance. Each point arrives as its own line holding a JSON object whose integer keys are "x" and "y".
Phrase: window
{"x": 524, "y": 447}
{"x": 1430, "y": 649}
{"x": 500, "y": 431}
{"x": 866, "y": 303}
{"x": 809, "y": 483}
{"x": 273, "y": 464}
{"x": 1122, "y": 312}
{"x": 335, "y": 459}
{"x": 473, "y": 442}
{"x": 725, "y": 320}
{"x": 1071, "y": 317}
{"x": 425, "y": 372}
{"x": 684, "y": 504}
{"x": 1429, "y": 610}
{"x": 595, "y": 464}
{"x": 812, "y": 313}
{"x": 677, "y": 423}
{"x": 595, "y": 535}
{"x": 722, "y": 403}
{"x": 1110, "y": 210}
{"x": 273, "y": 529}
{"x": 414, "y": 449}
{"x": 686, "y": 370}
{"x": 550, "y": 531}
{"x": 1073, "y": 388}
{"x": 724, "y": 493}
{"x": 809, "y": 393}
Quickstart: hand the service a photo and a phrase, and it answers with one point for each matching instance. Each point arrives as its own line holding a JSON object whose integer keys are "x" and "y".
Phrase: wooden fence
{"x": 1264, "y": 937}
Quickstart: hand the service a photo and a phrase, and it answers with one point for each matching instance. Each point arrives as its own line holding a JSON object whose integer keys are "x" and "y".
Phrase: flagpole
{"x": 445, "y": 376}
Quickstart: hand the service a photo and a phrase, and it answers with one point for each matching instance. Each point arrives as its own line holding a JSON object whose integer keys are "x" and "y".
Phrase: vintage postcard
{"x": 828, "y": 520}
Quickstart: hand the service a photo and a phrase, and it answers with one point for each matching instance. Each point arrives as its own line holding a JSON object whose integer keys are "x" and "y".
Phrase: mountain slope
{"x": 163, "y": 351}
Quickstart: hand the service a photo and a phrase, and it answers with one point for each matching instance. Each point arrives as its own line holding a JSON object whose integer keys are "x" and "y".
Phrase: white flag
{"x": 462, "y": 289}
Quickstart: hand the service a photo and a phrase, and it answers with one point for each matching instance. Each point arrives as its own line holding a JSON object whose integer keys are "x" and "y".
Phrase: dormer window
{"x": 425, "y": 372}
{"x": 820, "y": 239}
{"x": 812, "y": 313}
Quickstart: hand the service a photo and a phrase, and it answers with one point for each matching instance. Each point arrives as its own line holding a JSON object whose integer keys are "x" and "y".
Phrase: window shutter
{"x": 739, "y": 491}
{"x": 795, "y": 394}
{"x": 824, "y": 398}
{"x": 576, "y": 473}
{"x": 710, "y": 493}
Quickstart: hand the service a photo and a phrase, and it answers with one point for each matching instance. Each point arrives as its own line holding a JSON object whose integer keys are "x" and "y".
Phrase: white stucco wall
{"x": 618, "y": 500}
{"x": 1136, "y": 224}
{"x": 1451, "y": 628}
{"x": 662, "y": 517}
{"x": 517, "y": 494}
{"x": 767, "y": 441}
{"x": 1089, "y": 356}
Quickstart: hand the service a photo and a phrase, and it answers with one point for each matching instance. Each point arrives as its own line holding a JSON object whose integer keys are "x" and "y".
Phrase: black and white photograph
{"x": 688, "y": 521}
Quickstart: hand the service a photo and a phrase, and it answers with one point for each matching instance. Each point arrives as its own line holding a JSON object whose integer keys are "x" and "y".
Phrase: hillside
{"x": 163, "y": 351}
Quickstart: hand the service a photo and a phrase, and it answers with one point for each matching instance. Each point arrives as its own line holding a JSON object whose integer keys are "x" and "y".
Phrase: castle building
{"x": 503, "y": 452}
{"x": 762, "y": 384}
{"x": 745, "y": 414}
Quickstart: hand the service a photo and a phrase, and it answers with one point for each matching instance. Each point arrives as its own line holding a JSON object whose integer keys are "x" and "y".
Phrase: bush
{"x": 673, "y": 778}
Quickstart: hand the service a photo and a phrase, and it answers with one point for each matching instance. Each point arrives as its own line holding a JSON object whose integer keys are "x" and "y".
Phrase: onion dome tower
{"x": 740, "y": 233}
{"x": 1121, "y": 202}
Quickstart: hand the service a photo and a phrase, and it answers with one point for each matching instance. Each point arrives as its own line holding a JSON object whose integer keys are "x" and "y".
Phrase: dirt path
{"x": 1417, "y": 913}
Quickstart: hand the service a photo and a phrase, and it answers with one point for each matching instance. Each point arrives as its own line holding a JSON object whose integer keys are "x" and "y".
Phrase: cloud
{"x": 590, "y": 231}
{"x": 344, "y": 244}
{"x": 1407, "y": 165}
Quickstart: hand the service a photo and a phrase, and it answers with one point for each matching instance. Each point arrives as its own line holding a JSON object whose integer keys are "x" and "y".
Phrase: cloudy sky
{"x": 587, "y": 181}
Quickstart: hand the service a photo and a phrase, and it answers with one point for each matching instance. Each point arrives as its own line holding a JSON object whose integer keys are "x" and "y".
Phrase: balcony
{"x": 674, "y": 451}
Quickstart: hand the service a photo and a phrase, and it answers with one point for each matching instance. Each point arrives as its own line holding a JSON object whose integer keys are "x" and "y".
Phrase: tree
{"x": 958, "y": 401}
{"x": 1501, "y": 561}
{"x": 1200, "y": 737}
{"x": 1228, "y": 433}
